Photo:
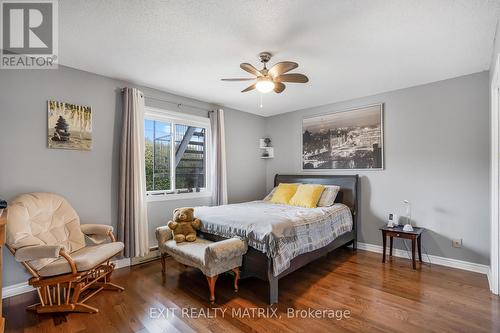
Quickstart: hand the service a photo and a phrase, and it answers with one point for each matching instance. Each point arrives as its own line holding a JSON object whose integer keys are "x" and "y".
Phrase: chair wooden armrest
{"x": 70, "y": 261}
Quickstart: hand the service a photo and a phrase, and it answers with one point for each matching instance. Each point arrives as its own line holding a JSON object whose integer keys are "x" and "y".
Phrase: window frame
{"x": 177, "y": 118}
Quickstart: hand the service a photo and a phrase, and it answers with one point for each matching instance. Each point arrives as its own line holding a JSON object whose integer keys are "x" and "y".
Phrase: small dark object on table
{"x": 415, "y": 236}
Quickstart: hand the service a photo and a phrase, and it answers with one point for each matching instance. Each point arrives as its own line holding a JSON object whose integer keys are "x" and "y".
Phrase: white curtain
{"x": 132, "y": 214}
{"x": 219, "y": 176}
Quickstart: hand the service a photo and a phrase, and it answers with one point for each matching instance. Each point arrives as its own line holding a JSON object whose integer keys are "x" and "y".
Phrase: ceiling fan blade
{"x": 292, "y": 77}
{"x": 239, "y": 79}
{"x": 279, "y": 87}
{"x": 282, "y": 67}
{"x": 252, "y": 87}
{"x": 250, "y": 69}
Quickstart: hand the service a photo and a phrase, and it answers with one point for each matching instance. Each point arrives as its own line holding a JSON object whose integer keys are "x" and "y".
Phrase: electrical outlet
{"x": 456, "y": 242}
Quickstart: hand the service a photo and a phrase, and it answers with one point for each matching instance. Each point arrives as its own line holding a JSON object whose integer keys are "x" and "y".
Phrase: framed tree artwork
{"x": 69, "y": 126}
{"x": 351, "y": 139}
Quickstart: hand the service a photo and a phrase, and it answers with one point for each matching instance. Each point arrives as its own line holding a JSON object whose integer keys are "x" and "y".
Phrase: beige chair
{"x": 45, "y": 235}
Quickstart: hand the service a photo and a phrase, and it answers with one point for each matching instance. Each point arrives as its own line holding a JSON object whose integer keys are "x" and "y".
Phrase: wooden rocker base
{"x": 108, "y": 286}
{"x": 77, "y": 307}
{"x": 69, "y": 292}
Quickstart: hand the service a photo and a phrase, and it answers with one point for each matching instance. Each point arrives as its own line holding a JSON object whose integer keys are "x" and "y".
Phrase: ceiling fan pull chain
{"x": 261, "y": 97}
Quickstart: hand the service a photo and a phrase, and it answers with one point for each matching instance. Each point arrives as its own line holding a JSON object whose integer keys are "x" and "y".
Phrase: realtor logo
{"x": 29, "y": 34}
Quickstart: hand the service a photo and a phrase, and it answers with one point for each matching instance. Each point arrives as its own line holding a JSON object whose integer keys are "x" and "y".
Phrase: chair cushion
{"x": 85, "y": 259}
{"x": 43, "y": 219}
{"x": 192, "y": 251}
{"x": 212, "y": 258}
{"x": 227, "y": 248}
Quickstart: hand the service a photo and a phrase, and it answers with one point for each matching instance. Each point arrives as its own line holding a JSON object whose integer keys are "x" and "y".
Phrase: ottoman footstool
{"x": 212, "y": 258}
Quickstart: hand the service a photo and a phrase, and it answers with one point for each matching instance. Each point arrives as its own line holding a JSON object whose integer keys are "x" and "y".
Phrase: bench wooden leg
{"x": 211, "y": 285}
{"x": 163, "y": 263}
{"x": 236, "y": 277}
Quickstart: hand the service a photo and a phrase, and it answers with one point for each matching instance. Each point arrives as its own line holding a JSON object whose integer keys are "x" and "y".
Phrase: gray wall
{"x": 436, "y": 156}
{"x": 89, "y": 180}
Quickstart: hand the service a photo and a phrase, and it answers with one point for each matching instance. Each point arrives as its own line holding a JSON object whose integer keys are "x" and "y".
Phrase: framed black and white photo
{"x": 351, "y": 139}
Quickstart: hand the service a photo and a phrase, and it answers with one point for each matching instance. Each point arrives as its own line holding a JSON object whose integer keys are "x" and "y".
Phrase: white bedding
{"x": 281, "y": 231}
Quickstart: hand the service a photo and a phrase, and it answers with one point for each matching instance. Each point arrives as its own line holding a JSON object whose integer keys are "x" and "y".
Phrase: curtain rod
{"x": 179, "y": 105}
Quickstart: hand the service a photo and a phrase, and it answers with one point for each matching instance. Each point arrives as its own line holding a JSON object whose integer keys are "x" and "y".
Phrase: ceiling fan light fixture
{"x": 265, "y": 85}
{"x": 272, "y": 79}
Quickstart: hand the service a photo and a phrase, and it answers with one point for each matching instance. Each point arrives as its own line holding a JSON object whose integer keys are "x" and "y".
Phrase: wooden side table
{"x": 415, "y": 236}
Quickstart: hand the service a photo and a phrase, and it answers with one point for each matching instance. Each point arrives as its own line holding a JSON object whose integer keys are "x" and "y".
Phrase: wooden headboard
{"x": 349, "y": 185}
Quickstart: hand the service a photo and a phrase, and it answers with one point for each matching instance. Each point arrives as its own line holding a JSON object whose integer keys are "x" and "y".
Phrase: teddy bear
{"x": 184, "y": 225}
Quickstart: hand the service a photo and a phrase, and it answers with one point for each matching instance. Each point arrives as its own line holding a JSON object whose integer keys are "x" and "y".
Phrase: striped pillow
{"x": 328, "y": 196}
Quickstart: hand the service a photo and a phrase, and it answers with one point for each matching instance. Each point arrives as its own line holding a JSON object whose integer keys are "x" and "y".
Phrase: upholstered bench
{"x": 212, "y": 258}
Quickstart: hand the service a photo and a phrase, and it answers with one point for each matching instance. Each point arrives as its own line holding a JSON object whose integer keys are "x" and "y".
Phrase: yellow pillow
{"x": 307, "y": 195}
{"x": 284, "y": 192}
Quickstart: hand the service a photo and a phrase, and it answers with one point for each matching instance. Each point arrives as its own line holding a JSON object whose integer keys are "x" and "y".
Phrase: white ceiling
{"x": 347, "y": 48}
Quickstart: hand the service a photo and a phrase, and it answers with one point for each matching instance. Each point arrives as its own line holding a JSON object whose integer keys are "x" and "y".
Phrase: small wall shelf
{"x": 266, "y": 151}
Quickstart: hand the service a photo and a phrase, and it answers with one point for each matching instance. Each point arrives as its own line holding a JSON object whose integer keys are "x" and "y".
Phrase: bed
{"x": 283, "y": 238}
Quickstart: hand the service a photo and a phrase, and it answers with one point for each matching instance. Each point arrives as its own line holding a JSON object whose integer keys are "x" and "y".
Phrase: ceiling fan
{"x": 271, "y": 79}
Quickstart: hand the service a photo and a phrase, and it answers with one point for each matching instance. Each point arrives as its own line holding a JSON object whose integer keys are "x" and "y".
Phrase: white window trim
{"x": 190, "y": 120}
{"x": 177, "y": 196}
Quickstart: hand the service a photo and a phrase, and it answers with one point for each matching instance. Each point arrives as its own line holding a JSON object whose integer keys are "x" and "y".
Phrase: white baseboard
{"x": 436, "y": 260}
{"x": 120, "y": 263}
{"x": 23, "y": 287}
{"x": 490, "y": 282}
{"x": 152, "y": 255}
{"x": 16, "y": 289}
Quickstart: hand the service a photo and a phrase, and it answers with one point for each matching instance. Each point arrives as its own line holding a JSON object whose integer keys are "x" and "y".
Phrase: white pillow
{"x": 270, "y": 195}
{"x": 328, "y": 196}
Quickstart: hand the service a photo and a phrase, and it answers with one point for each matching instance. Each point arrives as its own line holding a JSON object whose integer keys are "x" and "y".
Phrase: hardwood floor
{"x": 388, "y": 297}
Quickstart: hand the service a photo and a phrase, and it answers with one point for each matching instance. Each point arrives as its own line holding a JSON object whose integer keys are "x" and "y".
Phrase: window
{"x": 176, "y": 154}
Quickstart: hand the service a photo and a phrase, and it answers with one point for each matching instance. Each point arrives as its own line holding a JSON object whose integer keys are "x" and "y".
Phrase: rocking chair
{"x": 45, "y": 235}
